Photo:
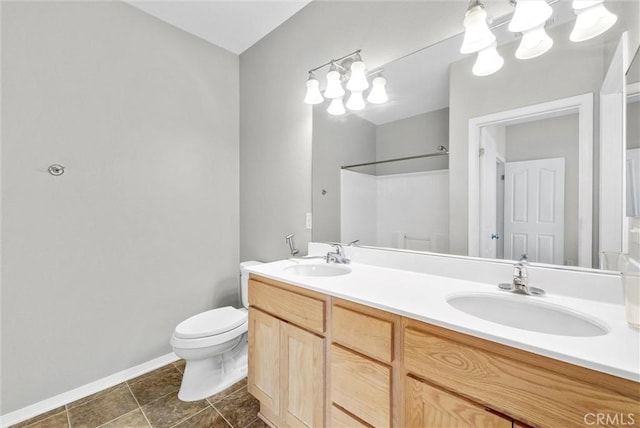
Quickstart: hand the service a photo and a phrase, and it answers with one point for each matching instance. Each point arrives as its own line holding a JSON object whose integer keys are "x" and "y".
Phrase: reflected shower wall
{"x": 399, "y": 203}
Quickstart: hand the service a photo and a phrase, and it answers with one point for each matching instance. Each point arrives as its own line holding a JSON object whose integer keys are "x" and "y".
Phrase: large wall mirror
{"x": 491, "y": 166}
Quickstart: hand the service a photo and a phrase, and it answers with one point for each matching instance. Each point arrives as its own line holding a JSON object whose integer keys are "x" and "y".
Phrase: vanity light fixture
{"x": 477, "y": 34}
{"x": 352, "y": 70}
{"x": 529, "y": 19}
{"x": 534, "y": 43}
{"x": 488, "y": 62}
{"x": 592, "y": 19}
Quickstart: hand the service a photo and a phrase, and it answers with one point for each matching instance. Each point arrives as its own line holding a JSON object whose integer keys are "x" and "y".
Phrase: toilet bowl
{"x": 214, "y": 347}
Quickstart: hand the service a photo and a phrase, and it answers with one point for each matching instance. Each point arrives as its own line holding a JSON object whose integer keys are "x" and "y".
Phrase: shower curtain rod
{"x": 427, "y": 155}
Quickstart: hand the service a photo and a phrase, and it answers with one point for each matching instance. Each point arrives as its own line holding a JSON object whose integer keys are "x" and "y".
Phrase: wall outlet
{"x": 309, "y": 221}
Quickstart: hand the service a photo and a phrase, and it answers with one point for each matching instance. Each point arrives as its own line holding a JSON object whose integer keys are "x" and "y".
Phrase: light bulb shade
{"x": 591, "y": 21}
{"x": 583, "y": 4}
{"x": 313, "y": 92}
{"x": 358, "y": 80}
{"x": 488, "y": 62}
{"x": 378, "y": 94}
{"x": 334, "y": 86}
{"x": 477, "y": 34}
{"x": 336, "y": 107}
{"x": 529, "y": 14}
{"x": 534, "y": 43}
{"x": 355, "y": 101}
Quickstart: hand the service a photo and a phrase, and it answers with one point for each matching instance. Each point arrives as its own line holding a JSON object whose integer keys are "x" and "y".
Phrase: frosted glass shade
{"x": 488, "y": 62}
{"x": 355, "y": 101}
{"x": 378, "y": 94}
{"x": 313, "y": 95}
{"x": 591, "y": 21}
{"x": 334, "y": 86}
{"x": 336, "y": 107}
{"x": 529, "y": 14}
{"x": 358, "y": 80}
{"x": 477, "y": 34}
{"x": 534, "y": 43}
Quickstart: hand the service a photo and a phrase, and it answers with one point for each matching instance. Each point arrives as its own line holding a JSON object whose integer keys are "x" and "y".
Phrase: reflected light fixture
{"x": 352, "y": 70}
{"x": 378, "y": 94}
{"x": 534, "y": 43}
{"x": 592, "y": 19}
{"x": 336, "y": 108}
{"x": 313, "y": 91}
{"x": 477, "y": 34}
{"x": 488, "y": 62}
{"x": 529, "y": 14}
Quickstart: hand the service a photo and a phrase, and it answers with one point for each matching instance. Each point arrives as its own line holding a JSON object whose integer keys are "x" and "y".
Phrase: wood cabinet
{"x": 286, "y": 362}
{"x": 316, "y": 361}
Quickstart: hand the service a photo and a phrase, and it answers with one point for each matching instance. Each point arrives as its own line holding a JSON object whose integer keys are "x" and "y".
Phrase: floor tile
{"x": 169, "y": 410}
{"x": 257, "y": 423}
{"x": 239, "y": 408}
{"x": 156, "y": 384}
{"x": 223, "y": 394}
{"x": 133, "y": 419}
{"x": 180, "y": 365}
{"x": 38, "y": 418}
{"x": 208, "y": 418}
{"x": 94, "y": 396}
{"x": 56, "y": 421}
{"x": 102, "y": 409}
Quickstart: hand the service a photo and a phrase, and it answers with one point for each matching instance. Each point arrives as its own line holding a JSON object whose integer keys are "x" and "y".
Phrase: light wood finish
{"x": 263, "y": 379}
{"x": 301, "y": 310}
{"x": 428, "y": 407}
{"x": 517, "y": 424}
{"x": 510, "y": 386}
{"x": 301, "y": 377}
{"x": 361, "y": 386}
{"x": 342, "y": 419}
{"x": 363, "y": 333}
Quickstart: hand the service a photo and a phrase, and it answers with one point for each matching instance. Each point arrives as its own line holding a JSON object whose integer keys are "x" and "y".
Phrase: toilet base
{"x": 206, "y": 377}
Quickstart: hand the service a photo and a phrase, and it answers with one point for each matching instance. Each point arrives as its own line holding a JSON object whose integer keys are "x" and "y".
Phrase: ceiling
{"x": 234, "y": 25}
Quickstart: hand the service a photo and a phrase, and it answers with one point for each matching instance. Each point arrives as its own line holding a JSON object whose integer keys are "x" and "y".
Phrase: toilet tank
{"x": 244, "y": 281}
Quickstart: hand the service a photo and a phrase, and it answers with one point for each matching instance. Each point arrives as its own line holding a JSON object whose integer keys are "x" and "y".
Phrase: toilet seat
{"x": 203, "y": 342}
{"x": 211, "y": 323}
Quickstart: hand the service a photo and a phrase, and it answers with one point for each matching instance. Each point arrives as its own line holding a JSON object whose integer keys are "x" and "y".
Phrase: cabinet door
{"x": 263, "y": 380}
{"x": 301, "y": 377}
{"x": 427, "y": 406}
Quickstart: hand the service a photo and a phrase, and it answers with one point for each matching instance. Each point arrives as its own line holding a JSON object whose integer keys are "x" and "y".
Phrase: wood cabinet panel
{"x": 340, "y": 419}
{"x": 304, "y": 311}
{"x": 507, "y": 385}
{"x": 361, "y": 386}
{"x": 363, "y": 333}
{"x": 302, "y": 377}
{"x": 428, "y": 407}
{"x": 263, "y": 379}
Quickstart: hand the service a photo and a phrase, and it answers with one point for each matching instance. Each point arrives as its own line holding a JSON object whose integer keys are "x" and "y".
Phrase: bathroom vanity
{"x": 332, "y": 351}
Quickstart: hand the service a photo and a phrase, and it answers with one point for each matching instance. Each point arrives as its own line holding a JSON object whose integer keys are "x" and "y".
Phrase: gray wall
{"x": 275, "y": 137}
{"x": 141, "y": 231}
{"x": 552, "y": 138}
{"x": 633, "y": 125}
{"x": 337, "y": 141}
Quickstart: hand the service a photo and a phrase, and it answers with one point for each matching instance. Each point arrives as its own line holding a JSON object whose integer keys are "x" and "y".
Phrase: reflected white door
{"x": 534, "y": 210}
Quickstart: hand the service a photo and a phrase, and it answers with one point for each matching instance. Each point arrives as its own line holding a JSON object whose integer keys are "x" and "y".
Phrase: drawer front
{"x": 361, "y": 386}
{"x": 340, "y": 419}
{"x": 529, "y": 393}
{"x": 363, "y": 333}
{"x": 300, "y": 310}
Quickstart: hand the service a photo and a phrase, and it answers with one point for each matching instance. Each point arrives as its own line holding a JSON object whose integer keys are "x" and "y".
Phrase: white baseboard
{"x": 84, "y": 390}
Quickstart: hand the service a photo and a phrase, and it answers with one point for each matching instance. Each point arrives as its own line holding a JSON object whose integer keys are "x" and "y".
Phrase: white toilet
{"x": 214, "y": 346}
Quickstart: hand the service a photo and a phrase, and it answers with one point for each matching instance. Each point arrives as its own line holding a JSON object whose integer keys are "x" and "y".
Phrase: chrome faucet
{"x": 520, "y": 283}
{"x": 338, "y": 255}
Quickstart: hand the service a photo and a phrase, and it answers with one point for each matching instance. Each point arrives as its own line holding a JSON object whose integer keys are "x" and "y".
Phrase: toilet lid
{"x": 209, "y": 323}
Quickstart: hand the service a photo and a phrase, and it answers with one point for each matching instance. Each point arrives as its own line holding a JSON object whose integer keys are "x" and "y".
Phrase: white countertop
{"x": 423, "y": 297}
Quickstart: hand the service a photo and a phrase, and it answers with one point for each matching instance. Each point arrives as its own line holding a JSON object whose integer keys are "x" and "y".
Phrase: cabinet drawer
{"x": 340, "y": 419}
{"x": 300, "y": 310}
{"x": 361, "y": 386}
{"x": 363, "y": 333}
{"x": 510, "y": 386}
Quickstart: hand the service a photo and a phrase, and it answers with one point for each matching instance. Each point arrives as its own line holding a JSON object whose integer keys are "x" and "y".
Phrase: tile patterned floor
{"x": 151, "y": 401}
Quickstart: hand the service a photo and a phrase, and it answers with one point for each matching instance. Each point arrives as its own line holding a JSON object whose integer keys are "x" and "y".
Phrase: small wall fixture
{"x": 529, "y": 19}
{"x": 352, "y": 70}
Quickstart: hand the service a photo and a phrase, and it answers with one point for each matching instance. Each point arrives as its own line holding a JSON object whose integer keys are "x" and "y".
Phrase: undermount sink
{"x": 318, "y": 270}
{"x": 520, "y": 312}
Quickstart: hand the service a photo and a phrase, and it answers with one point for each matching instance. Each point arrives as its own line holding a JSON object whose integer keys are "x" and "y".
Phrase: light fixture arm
{"x": 336, "y": 61}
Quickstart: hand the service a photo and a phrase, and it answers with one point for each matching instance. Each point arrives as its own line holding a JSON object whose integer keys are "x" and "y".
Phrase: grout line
{"x": 187, "y": 418}
{"x": 115, "y": 419}
{"x": 138, "y": 403}
{"x": 66, "y": 411}
{"x": 221, "y": 415}
{"x": 252, "y": 421}
{"x": 98, "y": 394}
